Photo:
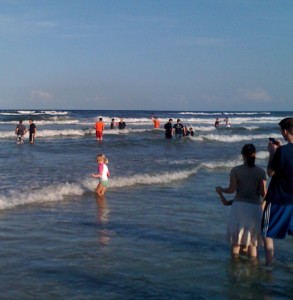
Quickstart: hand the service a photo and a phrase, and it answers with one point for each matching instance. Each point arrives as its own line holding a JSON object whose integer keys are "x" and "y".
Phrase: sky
{"x": 146, "y": 54}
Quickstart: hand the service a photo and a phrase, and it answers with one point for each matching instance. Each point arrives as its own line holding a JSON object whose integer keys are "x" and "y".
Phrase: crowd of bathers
{"x": 177, "y": 130}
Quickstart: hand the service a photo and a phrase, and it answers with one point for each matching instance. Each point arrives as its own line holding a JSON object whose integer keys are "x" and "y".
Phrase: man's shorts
{"x": 277, "y": 221}
{"x": 99, "y": 134}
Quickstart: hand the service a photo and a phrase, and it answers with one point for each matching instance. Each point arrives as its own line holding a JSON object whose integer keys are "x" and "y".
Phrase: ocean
{"x": 159, "y": 234}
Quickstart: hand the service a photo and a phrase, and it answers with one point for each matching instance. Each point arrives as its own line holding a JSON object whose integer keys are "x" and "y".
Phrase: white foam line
{"x": 59, "y": 192}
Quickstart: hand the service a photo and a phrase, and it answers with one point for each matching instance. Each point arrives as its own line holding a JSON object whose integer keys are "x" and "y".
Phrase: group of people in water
{"x": 177, "y": 130}
{"x": 226, "y": 121}
{"x": 100, "y": 126}
{"x": 259, "y": 215}
{"x": 21, "y": 130}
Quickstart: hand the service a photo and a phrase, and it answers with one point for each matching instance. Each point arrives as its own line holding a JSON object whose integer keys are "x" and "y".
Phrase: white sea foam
{"x": 54, "y": 112}
{"x": 251, "y": 127}
{"x": 7, "y": 134}
{"x": 34, "y": 113}
{"x": 48, "y": 133}
{"x": 46, "y": 194}
{"x": 64, "y": 132}
{"x": 59, "y": 192}
{"x": 56, "y": 122}
{"x": 47, "y": 112}
{"x": 44, "y": 122}
{"x": 27, "y": 112}
{"x": 201, "y": 113}
{"x": 262, "y": 155}
{"x": 232, "y": 138}
{"x": 204, "y": 128}
{"x": 9, "y": 114}
{"x": 247, "y": 113}
{"x": 144, "y": 179}
{"x": 221, "y": 164}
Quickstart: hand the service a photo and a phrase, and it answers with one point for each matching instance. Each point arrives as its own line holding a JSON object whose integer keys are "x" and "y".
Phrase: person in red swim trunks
{"x": 99, "y": 125}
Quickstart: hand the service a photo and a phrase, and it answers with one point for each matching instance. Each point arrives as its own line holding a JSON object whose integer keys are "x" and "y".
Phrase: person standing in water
{"x": 168, "y": 129}
{"x": 121, "y": 124}
{"x": 249, "y": 183}
{"x": 20, "y": 131}
{"x": 102, "y": 174}
{"x": 100, "y": 126}
{"x": 178, "y": 129}
{"x": 32, "y": 131}
{"x": 156, "y": 122}
{"x": 112, "y": 124}
{"x": 278, "y": 212}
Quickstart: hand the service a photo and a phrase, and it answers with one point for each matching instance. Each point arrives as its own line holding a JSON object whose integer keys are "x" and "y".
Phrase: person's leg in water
{"x": 235, "y": 250}
{"x": 252, "y": 251}
{"x": 269, "y": 250}
{"x": 101, "y": 189}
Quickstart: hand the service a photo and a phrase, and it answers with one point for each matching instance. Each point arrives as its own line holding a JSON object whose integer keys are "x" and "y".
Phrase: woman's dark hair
{"x": 248, "y": 151}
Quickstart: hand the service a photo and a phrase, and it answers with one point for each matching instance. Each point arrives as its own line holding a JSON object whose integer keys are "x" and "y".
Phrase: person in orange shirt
{"x": 99, "y": 125}
{"x": 156, "y": 122}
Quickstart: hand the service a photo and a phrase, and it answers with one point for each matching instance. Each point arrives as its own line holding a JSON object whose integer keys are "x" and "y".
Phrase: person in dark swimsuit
{"x": 32, "y": 131}
{"x": 168, "y": 129}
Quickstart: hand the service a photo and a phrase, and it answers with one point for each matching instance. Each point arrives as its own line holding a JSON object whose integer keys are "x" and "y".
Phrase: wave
{"x": 48, "y": 133}
{"x": 54, "y": 112}
{"x": 59, "y": 192}
{"x": 262, "y": 155}
{"x": 233, "y": 138}
{"x": 44, "y": 122}
{"x": 73, "y": 132}
{"x": 34, "y": 112}
{"x": 246, "y": 113}
{"x": 203, "y": 120}
{"x": 224, "y": 113}
{"x": 63, "y": 191}
{"x": 251, "y": 127}
{"x": 221, "y": 164}
{"x": 47, "y": 194}
{"x": 64, "y": 132}
{"x": 204, "y": 128}
{"x": 200, "y": 113}
{"x": 144, "y": 179}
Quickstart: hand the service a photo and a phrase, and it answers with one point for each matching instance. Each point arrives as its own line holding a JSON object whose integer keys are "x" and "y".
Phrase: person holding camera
{"x": 278, "y": 212}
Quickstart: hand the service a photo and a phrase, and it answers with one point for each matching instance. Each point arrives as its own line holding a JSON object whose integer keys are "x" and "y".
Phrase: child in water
{"x": 103, "y": 173}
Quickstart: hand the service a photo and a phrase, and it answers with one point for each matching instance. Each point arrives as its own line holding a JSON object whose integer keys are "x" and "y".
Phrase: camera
{"x": 273, "y": 141}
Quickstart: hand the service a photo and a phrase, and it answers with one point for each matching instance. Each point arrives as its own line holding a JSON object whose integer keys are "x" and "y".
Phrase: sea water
{"x": 159, "y": 233}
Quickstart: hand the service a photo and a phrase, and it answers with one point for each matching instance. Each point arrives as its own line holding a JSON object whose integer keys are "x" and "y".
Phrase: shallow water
{"x": 159, "y": 234}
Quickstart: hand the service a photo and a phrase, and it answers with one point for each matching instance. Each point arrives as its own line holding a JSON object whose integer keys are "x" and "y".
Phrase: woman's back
{"x": 248, "y": 183}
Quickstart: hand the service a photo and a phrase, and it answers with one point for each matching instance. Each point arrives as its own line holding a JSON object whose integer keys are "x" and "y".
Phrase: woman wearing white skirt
{"x": 249, "y": 183}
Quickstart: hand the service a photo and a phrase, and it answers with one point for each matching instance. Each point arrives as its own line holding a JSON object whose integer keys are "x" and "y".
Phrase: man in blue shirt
{"x": 278, "y": 213}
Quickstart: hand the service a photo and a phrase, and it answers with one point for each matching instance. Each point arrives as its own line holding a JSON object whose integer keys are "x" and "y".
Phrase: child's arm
{"x": 100, "y": 170}
{"x": 96, "y": 175}
{"x": 223, "y": 199}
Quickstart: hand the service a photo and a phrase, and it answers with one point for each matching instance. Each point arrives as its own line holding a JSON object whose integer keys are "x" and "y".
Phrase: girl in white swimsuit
{"x": 103, "y": 173}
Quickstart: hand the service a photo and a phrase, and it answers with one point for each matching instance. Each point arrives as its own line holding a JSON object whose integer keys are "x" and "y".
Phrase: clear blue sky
{"x": 146, "y": 54}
